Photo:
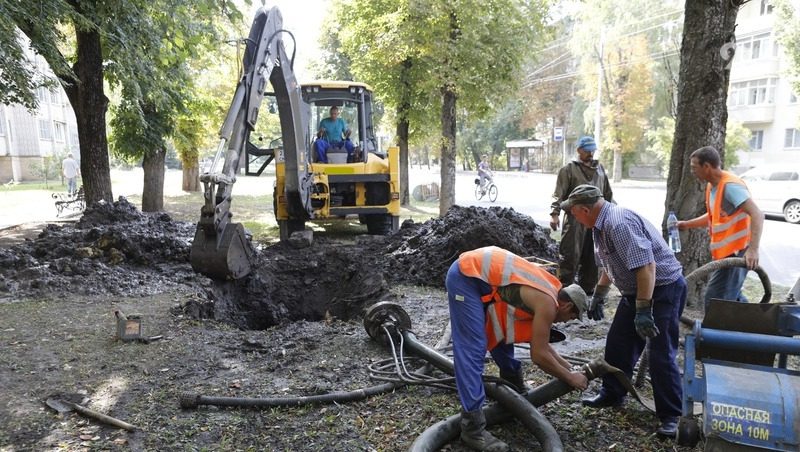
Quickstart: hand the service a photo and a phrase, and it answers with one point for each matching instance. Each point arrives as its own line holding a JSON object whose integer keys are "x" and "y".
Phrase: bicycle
{"x": 489, "y": 190}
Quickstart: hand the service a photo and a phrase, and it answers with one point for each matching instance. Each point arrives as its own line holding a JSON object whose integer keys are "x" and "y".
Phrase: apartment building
{"x": 31, "y": 139}
{"x": 760, "y": 95}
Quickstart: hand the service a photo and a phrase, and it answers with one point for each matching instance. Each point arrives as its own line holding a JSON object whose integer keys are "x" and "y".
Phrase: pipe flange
{"x": 385, "y": 314}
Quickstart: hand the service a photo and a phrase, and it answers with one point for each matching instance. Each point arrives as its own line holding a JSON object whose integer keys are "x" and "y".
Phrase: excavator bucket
{"x": 226, "y": 256}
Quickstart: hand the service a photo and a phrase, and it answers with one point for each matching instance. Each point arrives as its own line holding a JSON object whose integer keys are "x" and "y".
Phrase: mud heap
{"x": 113, "y": 249}
{"x": 420, "y": 254}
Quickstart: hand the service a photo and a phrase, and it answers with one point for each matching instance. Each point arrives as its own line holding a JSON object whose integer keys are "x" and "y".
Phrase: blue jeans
{"x": 467, "y": 321}
{"x": 624, "y": 346}
{"x": 726, "y": 284}
{"x": 72, "y": 184}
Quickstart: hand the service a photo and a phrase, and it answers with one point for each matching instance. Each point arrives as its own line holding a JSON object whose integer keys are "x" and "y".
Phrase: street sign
{"x": 558, "y": 134}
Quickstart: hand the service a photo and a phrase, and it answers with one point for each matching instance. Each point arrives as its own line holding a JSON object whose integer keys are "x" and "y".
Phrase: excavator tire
{"x": 379, "y": 224}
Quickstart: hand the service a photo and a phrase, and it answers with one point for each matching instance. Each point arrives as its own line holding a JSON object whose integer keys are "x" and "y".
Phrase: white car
{"x": 776, "y": 190}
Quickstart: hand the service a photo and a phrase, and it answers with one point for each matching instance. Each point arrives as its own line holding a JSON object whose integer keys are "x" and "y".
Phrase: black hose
{"x": 530, "y": 417}
{"x": 701, "y": 273}
{"x": 191, "y": 400}
{"x": 447, "y": 430}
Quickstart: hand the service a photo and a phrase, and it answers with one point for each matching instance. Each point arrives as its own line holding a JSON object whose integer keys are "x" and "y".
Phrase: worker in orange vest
{"x": 734, "y": 222}
{"x": 497, "y": 299}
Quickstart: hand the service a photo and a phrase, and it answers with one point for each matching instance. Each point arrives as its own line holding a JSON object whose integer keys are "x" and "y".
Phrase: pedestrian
{"x": 734, "y": 224}
{"x": 638, "y": 261}
{"x": 576, "y": 263}
{"x": 486, "y": 287}
{"x": 71, "y": 171}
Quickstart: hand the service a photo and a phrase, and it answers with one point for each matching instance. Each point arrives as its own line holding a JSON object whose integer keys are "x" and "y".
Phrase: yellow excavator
{"x": 364, "y": 184}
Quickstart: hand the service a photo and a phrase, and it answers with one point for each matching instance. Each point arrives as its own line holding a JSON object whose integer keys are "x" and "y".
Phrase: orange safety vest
{"x": 729, "y": 233}
{"x": 498, "y": 267}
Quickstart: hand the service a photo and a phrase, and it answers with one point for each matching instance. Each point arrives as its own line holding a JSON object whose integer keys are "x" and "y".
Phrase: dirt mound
{"x": 420, "y": 254}
{"x": 114, "y": 249}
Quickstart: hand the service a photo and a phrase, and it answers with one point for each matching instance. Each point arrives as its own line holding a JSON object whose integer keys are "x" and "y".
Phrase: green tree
{"x": 787, "y": 27}
{"x": 87, "y": 43}
{"x": 660, "y": 140}
{"x": 423, "y": 56}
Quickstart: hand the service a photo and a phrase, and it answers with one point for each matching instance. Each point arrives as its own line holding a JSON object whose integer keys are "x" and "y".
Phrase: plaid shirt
{"x": 624, "y": 242}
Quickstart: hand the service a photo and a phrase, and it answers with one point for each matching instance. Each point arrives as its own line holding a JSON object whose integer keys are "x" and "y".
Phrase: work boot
{"x": 474, "y": 434}
{"x": 515, "y": 378}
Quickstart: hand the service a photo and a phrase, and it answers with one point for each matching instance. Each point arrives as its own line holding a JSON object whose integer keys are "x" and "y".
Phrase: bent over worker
{"x": 485, "y": 288}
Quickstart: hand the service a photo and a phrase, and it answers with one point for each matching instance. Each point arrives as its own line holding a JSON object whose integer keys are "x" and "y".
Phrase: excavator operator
{"x": 333, "y": 134}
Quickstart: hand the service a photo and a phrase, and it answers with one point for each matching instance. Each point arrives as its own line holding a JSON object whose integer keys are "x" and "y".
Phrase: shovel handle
{"x": 101, "y": 417}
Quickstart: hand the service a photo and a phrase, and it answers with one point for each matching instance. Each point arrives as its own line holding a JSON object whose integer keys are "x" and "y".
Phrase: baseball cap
{"x": 578, "y": 297}
{"x": 587, "y": 144}
{"x": 582, "y": 194}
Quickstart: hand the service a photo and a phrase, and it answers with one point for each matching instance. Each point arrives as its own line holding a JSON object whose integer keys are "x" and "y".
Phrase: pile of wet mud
{"x": 421, "y": 254}
{"x": 113, "y": 249}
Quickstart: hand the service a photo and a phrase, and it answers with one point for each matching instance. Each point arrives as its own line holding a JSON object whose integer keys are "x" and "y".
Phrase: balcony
{"x": 752, "y": 114}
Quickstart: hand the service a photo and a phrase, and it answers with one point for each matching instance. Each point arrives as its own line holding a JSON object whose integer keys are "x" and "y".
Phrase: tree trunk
{"x": 701, "y": 116}
{"x": 448, "y": 159}
{"x": 90, "y": 104}
{"x": 618, "y": 164}
{"x": 191, "y": 176}
{"x": 153, "y": 191}
{"x": 402, "y": 131}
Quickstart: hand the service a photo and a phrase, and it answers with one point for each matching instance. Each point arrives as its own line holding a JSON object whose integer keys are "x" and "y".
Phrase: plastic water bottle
{"x": 674, "y": 235}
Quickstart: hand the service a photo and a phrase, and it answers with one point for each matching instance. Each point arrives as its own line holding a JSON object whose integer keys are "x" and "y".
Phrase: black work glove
{"x": 644, "y": 322}
{"x": 597, "y": 302}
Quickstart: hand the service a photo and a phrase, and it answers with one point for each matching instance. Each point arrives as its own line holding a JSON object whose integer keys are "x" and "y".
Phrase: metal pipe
{"x": 737, "y": 340}
{"x": 192, "y": 400}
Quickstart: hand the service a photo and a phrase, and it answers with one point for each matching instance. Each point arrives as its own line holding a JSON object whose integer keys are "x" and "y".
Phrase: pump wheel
{"x": 383, "y": 314}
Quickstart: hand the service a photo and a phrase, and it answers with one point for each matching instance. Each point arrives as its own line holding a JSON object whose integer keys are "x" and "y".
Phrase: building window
{"x": 792, "y": 139}
{"x": 766, "y": 7}
{"x": 754, "y": 47}
{"x": 756, "y": 140}
{"x": 59, "y": 130}
{"x": 754, "y": 92}
{"x": 73, "y": 141}
{"x": 45, "y": 133}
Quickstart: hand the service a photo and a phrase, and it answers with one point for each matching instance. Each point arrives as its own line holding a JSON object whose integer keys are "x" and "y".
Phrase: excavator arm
{"x": 221, "y": 248}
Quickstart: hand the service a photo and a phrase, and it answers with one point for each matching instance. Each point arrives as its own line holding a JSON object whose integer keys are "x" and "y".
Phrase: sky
{"x": 304, "y": 19}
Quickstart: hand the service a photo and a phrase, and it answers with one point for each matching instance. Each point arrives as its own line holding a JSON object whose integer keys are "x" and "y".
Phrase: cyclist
{"x": 484, "y": 173}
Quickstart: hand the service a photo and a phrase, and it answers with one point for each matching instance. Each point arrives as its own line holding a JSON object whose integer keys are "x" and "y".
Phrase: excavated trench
{"x": 116, "y": 250}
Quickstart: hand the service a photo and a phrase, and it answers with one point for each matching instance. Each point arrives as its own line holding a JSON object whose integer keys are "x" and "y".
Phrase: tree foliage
{"x": 788, "y": 33}
{"x": 137, "y": 46}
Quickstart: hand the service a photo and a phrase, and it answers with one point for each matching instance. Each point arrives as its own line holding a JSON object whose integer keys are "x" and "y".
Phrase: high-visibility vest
{"x": 729, "y": 233}
{"x": 498, "y": 267}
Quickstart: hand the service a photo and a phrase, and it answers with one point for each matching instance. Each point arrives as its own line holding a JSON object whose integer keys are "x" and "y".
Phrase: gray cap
{"x": 578, "y": 297}
{"x": 582, "y": 194}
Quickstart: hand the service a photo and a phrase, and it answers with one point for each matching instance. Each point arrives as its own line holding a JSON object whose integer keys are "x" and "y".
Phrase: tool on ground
{"x": 129, "y": 328}
{"x": 65, "y": 406}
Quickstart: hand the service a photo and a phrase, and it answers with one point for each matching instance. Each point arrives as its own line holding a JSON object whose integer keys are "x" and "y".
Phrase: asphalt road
{"x": 530, "y": 193}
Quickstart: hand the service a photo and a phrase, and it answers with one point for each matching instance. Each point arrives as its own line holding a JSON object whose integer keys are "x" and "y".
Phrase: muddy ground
{"x": 293, "y": 328}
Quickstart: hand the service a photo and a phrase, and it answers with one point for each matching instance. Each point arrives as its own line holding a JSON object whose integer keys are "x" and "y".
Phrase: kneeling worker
{"x": 486, "y": 287}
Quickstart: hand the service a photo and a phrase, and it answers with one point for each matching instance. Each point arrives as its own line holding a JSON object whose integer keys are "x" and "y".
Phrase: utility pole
{"x": 598, "y": 118}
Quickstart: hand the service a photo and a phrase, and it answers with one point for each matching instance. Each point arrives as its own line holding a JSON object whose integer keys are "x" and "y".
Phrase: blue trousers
{"x": 726, "y": 283}
{"x": 322, "y": 145}
{"x": 467, "y": 321}
{"x": 624, "y": 346}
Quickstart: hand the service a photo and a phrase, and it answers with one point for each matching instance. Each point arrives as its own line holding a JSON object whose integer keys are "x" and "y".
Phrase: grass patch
{"x": 24, "y": 186}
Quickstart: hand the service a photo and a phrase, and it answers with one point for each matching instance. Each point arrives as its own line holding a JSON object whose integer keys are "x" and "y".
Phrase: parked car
{"x": 776, "y": 190}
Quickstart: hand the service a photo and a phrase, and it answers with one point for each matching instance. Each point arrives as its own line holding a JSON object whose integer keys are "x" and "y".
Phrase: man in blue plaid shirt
{"x": 639, "y": 262}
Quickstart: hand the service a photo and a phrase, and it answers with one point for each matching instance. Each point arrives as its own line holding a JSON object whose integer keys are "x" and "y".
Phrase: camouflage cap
{"x": 582, "y": 194}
